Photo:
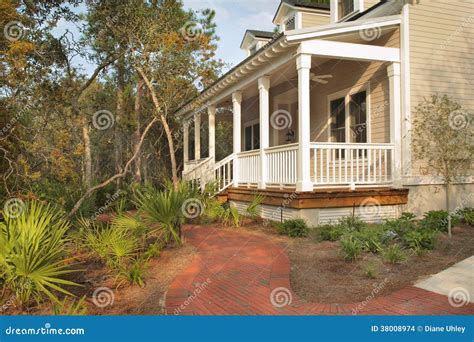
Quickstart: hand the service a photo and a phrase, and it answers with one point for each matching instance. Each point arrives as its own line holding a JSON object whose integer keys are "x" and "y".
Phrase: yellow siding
{"x": 311, "y": 20}
{"x": 441, "y": 53}
{"x": 370, "y": 3}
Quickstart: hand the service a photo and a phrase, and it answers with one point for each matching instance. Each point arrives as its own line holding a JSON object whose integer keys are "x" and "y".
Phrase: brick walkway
{"x": 234, "y": 273}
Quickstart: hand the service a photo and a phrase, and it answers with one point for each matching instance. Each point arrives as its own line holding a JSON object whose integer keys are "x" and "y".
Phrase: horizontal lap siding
{"x": 312, "y": 20}
{"x": 441, "y": 54}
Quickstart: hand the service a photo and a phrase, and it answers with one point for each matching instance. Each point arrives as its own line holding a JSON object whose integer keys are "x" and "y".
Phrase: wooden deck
{"x": 321, "y": 198}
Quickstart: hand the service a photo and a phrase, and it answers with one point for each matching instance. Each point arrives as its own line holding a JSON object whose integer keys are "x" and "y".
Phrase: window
{"x": 344, "y": 8}
{"x": 348, "y": 118}
{"x": 358, "y": 117}
{"x": 252, "y": 137}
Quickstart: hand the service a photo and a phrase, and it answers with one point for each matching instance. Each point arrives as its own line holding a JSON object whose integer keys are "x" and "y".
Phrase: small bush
{"x": 294, "y": 228}
{"x": 370, "y": 271}
{"x": 466, "y": 215}
{"x": 351, "y": 248}
{"x": 394, "y": 254}
{"x": 252, "y": 208}
{"x": 405, "y": 223}
{"x": 330, "y": 232}
{"x": 352, "y": 223}
{"x": 437, "y": 220}
{"x": 420, "y": 238}
{"x": 371, "y": 238}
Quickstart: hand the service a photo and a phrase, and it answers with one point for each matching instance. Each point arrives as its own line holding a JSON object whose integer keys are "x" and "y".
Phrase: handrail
{"x": 248, "y": 153}
{"x": 224, "y": 161}
{"x": 198, "y": 165}
{"x": 348, "y": 145}
{"x": 282, "y": 148}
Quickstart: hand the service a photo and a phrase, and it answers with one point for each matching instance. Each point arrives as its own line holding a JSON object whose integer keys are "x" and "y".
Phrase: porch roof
{"x": 279, "y": 46}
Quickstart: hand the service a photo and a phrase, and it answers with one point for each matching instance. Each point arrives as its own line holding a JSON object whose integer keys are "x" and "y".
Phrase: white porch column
{"x": 303, "y": 64}
{"x": 211, "y": 111}
{"x": 185, "y": 143}
{"x": 237, "y": 122}
{"x": 264, "y": 109}
{"x": 395, "y": 121}
{"x": 197, "y": 136}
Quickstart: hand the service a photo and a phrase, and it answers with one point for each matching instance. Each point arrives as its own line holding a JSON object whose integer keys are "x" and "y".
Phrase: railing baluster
{"x": 369, "y": 164}
{"x": 340, "y": 166}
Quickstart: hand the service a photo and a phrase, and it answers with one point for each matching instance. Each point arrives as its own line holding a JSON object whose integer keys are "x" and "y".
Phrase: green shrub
{"x": 71, "y": 307}
{"x": 370, "y": 238}
{"x": 466, "y": 215}
{"x": 351, "y": 248}
{"x": 406, "y": 222}
{"x": 294, "y": 228}
{"x": 114, "y": 247}
{"x": 420, "y": 238}
{"x": 134, "y": 274}
{"x": 330, "y": 232}
{"x": 370, "y": 271}
{"x": 437, "y": 220}
{"x": 394, "y": 254}
{"x": 224, "y": 213}
{"x": 351, "y": 223}
{"x": 33, "y": 253}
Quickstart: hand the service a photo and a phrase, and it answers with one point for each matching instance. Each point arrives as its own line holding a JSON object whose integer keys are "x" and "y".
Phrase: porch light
{"x": 290, "y": 135}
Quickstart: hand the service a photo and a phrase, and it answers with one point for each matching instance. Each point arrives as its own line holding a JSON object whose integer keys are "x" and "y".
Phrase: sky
{"x": 233, "y": 17}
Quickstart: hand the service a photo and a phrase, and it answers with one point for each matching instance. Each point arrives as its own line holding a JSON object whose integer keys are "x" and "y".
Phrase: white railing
{"x": 351, "y": 164}
{"x": 249, "y": 167}
{"x": 223, "y": 172}
{"x": 281, "y": 165}
{"x": 199, "y": 171}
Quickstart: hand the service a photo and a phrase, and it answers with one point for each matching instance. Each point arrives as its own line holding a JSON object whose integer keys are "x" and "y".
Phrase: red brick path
{"x": 234, "y": 273}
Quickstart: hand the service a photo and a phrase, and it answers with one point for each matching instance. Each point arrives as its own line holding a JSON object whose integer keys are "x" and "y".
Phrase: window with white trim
{"x": 252, "y": 136}
{"x": 348, "y": 118}
{"x": 344, "y": 8}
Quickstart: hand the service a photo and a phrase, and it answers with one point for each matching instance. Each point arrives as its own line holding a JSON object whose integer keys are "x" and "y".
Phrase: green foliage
{"x": 134, "y": 274}
{"x": 466, "y": 215}
{"x": 252, "y": 208}
{"x": 114, "y": 247}
{"x": 330, "y": 232}
{"x": 394, "y": 254}
{"x": 33, "y": 258}
{"x": 406, "y": 222}
{"x": 351, "y": 247}
{"x": 294, "y": 228}
{"x": 371, "y": 238}
{"x": 437, "y": 220}
{"x": 370, "y": 270}
{"x": 164, "y": 209}
{"x": 70, "y": 307}
{"x": 224, "y": 213}
{"x": 420, "y": 238}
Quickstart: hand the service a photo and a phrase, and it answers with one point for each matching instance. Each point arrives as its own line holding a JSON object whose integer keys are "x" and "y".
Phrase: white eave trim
{"x": 344, "y": 27}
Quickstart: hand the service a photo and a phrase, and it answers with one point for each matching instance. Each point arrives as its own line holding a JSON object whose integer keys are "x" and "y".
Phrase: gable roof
{"x": 249, "y": 34}
{"x": 303, "y": 4}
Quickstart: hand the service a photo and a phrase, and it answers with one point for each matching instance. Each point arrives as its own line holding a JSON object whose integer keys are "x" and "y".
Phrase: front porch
{"x": 307, "y": 114}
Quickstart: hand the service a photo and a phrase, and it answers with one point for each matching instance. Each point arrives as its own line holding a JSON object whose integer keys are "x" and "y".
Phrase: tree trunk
{"x": 137, "y": 111}
{"x": 448, "y": 209}
{"x": 87, "y": 154}
{"x": 164, "y": 122}
{"x": 118, "y": 150}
